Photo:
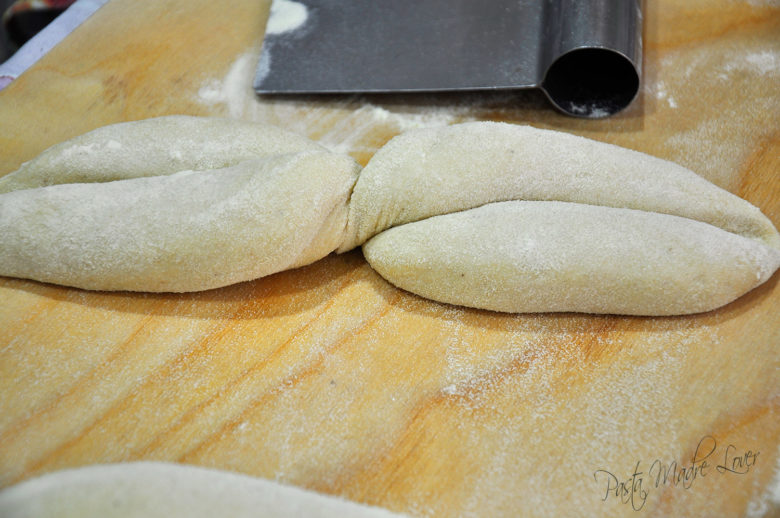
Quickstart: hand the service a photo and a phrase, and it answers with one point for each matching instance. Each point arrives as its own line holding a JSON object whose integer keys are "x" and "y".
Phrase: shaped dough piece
{"x": 531, "y": 256}
{"x": 429, "y": 172}
{"x": 187, "y": 231}
{"x": 161, "y": 490}
{"x": 612, "y": 230}
{"x": 153, "y": 147}
{"x": 194, "y": 230}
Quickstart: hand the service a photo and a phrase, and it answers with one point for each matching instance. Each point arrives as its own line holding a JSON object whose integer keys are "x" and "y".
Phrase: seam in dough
{"x": 428, "y": 172}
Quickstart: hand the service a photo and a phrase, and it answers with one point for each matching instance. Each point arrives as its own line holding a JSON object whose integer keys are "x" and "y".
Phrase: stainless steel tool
{"x": 584, "y": 54}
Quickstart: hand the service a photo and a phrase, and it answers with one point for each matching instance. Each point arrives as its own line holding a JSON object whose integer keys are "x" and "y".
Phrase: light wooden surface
{"x": 331, "y": 379}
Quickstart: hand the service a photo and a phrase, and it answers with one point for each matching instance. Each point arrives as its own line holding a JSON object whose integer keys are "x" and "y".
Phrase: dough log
{"x": 519, "y": 256}
{"x": 152, "y": 225}
{"x": 486, "y": 215}
{"x": 618, "y": 232}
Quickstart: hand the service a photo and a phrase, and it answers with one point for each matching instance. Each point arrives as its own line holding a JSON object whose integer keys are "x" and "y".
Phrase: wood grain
{"x": 331, "y": 379}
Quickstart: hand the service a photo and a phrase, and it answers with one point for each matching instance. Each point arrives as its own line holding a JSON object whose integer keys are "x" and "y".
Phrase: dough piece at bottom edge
{"x": 155, "y": 489}
{"x": 526, "y": 257}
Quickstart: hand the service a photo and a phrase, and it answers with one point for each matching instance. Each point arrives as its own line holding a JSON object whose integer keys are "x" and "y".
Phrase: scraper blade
{"x": 584, "y": 54}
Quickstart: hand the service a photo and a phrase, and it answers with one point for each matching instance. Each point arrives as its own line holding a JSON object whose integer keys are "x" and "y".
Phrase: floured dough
{"x": 685, "y": 246}
{"x": 519, "y": 256}
{"x": 154, "y": 489}
{"x": 486, "y": 215}
{"x": 428, "y": 172}
{"x": 154, "y": 147}
{"x": 182, "y": 232}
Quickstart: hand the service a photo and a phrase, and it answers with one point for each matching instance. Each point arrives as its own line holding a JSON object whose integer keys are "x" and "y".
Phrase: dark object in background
{"x": 6, "y": 47}
{"x": 585, "y": 55}
{"x": 23, "y": 19}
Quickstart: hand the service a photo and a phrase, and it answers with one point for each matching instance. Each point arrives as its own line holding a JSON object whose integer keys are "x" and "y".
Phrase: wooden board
{"x": 329, "y": 378}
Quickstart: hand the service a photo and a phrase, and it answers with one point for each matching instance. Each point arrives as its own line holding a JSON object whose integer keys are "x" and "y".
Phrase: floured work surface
{"x": 329, "y": 378}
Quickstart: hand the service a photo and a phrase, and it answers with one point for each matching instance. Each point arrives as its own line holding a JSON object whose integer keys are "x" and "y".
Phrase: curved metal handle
{"x": 593, "y": 55}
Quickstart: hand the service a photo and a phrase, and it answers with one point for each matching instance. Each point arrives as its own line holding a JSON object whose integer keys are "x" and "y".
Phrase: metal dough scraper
{"x": 584, "y": 54}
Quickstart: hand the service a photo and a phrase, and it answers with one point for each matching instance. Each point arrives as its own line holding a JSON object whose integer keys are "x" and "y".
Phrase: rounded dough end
{"x": 554, "y": 256}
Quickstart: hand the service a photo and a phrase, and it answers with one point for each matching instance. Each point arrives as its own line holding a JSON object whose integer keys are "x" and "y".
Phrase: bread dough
{"x": 685, "y": 245}
{"x": 520, "y": 256}
{"x": 154, "y": 489}
{"x": 433, "y": 171}
{"x": 154, "y": 147}
{"x": 189, "y": 231}
{"x": 486, "y": 215}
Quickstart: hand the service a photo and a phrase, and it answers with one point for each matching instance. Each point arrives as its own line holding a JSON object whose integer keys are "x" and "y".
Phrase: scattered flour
{"x": 762, "y": 62}
{"x": 769, "y": 499}
{"x": 89, "y": 149}
{"x": 450, "y": 390}
{"x": 762, "y": 3}
{"x": 347, "y": 124}
{"x": 79, "y": 150}
{"x": 715, "y": 143}
{"x": 286, "y": 16}
{"x": 347, "y": 135}
{"x": 765, "y": 62}
{"x": 589, "y": 110}
{"x": 407, "y": 121}
{"x": 662, "y": 94}
{"x": 234, "y": 91}
{"x": 263, "y": 66}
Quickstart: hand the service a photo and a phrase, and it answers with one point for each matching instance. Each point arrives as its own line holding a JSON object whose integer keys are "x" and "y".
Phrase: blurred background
{"x": 20, "y": 20}
{"x": 6, "y": 47}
